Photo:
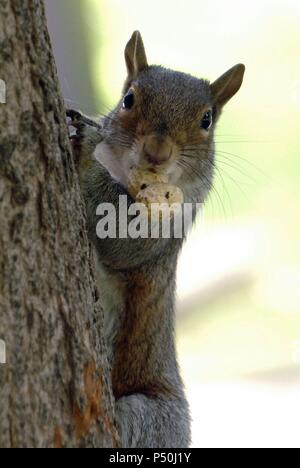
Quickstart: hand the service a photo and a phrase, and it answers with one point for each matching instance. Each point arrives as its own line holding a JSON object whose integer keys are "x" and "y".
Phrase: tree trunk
{"x": 55, "y": 386}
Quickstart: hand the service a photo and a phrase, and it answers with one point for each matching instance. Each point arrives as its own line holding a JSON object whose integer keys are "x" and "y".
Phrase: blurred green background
{"x": 239, "y": 275}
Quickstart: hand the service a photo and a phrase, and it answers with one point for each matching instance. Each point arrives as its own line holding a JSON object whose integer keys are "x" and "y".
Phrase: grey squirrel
{"x": 165, "y": 121}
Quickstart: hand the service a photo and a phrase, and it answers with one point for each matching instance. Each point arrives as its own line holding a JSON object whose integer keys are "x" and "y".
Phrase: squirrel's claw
{"x": 80, "y": 121}
{"x": 73, "y": 114}
{"x": 76, "y": 119}
{"x": 84, "y": 133}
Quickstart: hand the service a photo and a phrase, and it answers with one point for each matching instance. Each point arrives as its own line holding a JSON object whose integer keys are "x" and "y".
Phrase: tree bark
{"x": 55, "y": 387}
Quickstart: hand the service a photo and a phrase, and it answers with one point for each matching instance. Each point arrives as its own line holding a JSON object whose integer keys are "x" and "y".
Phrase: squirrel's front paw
{"x": 80, "y": 121}
{"x": 87, "y": 135}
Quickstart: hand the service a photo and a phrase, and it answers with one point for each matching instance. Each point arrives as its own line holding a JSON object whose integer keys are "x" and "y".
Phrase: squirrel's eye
{"x": 207, "y": 121}
{"x": 128, "y": 101}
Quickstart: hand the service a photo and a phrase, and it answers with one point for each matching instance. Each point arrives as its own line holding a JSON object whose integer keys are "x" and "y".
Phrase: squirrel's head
{"x": 166, "y": 120}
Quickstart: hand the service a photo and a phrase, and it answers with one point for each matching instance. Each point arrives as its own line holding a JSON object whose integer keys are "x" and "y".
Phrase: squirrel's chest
{"x": 112, "y": 300}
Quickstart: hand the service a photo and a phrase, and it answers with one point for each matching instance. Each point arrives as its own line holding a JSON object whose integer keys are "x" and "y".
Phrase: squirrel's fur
{"x": 136, "y": 277}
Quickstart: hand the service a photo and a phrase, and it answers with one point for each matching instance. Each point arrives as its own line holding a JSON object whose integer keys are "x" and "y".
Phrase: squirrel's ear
{"x": 135, "y": 56}
{"x": 228, "y": 84}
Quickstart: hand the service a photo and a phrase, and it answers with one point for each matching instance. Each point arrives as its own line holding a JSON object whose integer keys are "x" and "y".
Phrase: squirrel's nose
{"x": 157, "y": 150}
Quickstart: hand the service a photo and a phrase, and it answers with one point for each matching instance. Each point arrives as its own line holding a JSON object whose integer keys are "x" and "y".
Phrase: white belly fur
{"x": 111, "y": 293}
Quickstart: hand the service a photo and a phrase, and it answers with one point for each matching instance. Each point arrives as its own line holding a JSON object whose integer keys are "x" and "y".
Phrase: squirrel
{"x": 164, "y": 122}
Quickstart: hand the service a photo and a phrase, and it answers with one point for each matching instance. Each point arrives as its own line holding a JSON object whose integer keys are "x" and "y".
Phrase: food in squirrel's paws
{"x": 161, "y": 194}
{"x": 150, "y": 187}
{"x": 140, "y": 179}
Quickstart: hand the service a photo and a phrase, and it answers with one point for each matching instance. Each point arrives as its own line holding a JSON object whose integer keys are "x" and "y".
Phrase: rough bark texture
{"x": 55, "y": 387}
